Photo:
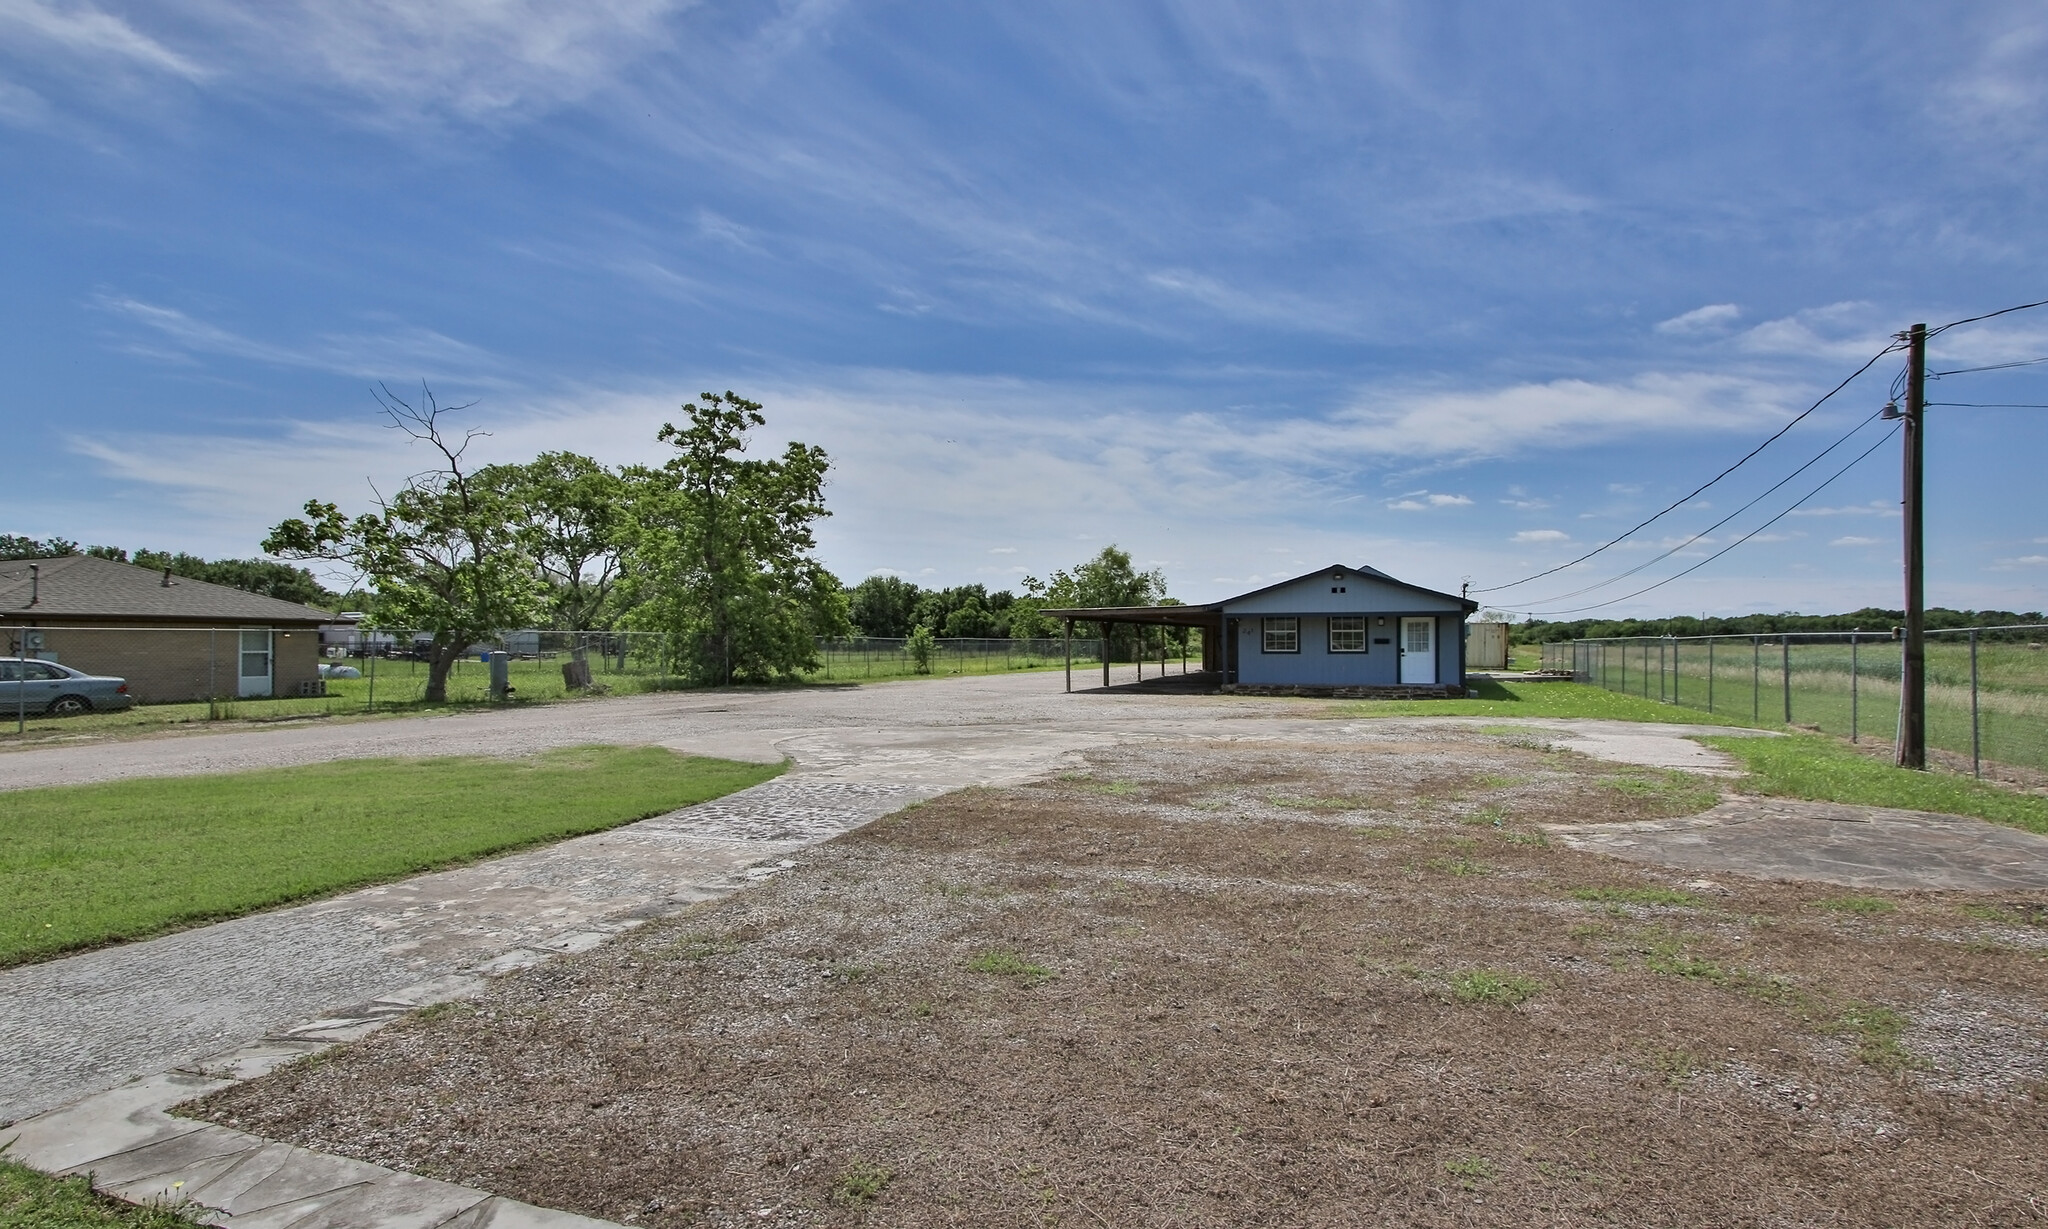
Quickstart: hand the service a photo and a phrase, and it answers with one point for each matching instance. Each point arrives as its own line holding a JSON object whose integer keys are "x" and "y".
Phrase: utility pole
{"x": 1912, "y": 752}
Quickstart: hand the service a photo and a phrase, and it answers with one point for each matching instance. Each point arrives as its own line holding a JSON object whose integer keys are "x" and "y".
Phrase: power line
{"x": 1775, "y": 436}
{"x": 1731, "y": 546}
{"x": 1817, "y": 457}
{"x": 2003, "y": 311}
{"x": 1963, "y": 371}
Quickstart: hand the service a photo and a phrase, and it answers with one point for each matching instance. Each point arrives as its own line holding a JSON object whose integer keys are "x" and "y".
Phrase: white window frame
{"x": 1362, "y": 627}
{"x": 1268, "y": 630}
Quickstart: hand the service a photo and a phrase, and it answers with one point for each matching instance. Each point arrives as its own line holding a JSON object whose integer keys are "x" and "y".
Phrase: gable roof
{"x": 85, "y": 587}
{"x": 1188, "y": 615}
{"x": 1373, "y": 573}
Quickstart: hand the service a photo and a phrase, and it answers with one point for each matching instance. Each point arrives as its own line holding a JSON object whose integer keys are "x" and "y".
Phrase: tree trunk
{"x": 441, "y": 658}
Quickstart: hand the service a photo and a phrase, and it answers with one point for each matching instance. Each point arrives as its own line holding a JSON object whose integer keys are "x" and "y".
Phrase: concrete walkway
{"x": 99, "y": 1044}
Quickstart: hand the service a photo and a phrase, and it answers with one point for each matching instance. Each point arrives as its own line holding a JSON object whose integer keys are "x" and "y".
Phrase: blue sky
{"x": 1456, "y": 290}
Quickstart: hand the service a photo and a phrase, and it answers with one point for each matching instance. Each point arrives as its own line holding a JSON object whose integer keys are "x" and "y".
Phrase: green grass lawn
{"x": 1825, "y": 770}
{"x": 84, "y": 865}
{"x": 1540, "y": 700}
{"x": 31, "y": 1199}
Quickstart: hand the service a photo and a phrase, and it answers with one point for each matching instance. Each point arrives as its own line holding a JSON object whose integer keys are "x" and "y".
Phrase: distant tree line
{"x": 886, "y": 605}
{"x": 1868, "y": 619}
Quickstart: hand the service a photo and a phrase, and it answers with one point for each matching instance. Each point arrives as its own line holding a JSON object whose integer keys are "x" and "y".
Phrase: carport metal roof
{"x": 1168, "y": 616}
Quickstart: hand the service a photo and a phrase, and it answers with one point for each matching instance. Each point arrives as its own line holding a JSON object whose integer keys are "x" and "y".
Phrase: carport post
{"x": 1070, "y": 654}
{"x": 1103, "y": 640}
{"x": 212, "y": 688}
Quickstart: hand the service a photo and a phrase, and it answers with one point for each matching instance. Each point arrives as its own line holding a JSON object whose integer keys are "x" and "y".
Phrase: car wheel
{"x": 69, "y": 706}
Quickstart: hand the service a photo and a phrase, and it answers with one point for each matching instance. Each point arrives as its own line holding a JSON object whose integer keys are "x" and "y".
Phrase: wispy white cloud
{"x": 91, "y": 34}
{"x": 403, "y": 352}
{"x": 1877, "y": 507}
{"x": 1541, "y": 535}
{"x": 1852, "y": 540}
{"x": 1520, "y": 418}
{"x": 1422, "y": 501}
{"x": 1839, "y": 331}
{"x": 1713, "y": 318}
{"x": 2023, "y": 561}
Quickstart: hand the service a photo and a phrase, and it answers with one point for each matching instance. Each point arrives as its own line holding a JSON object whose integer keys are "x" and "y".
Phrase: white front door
{"x": 254, "y": 670}
{"x": 1418, "y": 651}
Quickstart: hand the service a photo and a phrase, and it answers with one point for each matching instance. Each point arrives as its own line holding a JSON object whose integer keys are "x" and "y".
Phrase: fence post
{"x": 1785, "y": 657}
{"x": 1976, "y": 748}
{"x": 1855, "y": 698}
{"x": 373, "y": 684}
{"x": 1674, "y": 672}
{"x": 1710, "y": 674}
{"x": 1756, "y": 678}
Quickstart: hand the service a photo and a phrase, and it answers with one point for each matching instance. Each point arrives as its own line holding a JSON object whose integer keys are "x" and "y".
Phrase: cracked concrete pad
{"x": 1858, "y": 847}
{"x": 498, "y": 1213}
{"x": 119, "y": 1120}
{"x": 1631, "y": 742}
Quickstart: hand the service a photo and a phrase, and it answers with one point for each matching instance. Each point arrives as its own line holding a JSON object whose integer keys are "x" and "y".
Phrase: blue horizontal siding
{"x": 1316, "y": 666}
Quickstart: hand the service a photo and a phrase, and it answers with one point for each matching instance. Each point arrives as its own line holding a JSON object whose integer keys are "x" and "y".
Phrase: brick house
{"x": 172, "y": 638}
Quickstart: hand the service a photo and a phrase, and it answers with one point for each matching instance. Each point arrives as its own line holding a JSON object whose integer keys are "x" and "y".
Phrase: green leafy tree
{"x": 14, "y": 546}
{"x": 265, "y": 576}
{"x": 570, "y": 516}
{"x": 444, "y": 552}
{"x": 721, "y": 553}
{"x": 1109, "y": 579}
{"x": 883, "y": 605}
{"x": 920, "y": 644}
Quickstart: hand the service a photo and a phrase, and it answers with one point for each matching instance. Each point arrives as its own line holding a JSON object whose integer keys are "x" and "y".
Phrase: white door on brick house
{"x": 256, "y": 665}
{"x": 1418, "y": 651}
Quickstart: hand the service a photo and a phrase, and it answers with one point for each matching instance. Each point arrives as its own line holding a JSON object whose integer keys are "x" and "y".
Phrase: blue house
{"x": 1339, "y": 631}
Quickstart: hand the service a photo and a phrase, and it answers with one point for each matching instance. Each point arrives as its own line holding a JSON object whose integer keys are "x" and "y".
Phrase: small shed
{"x": 1486, "y": 646}
{"x": 1341, "y": 631}
{"x": 171, "y": 637}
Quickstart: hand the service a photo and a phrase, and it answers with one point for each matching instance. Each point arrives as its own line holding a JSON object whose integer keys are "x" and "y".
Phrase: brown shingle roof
{"x": 84, "y": 587}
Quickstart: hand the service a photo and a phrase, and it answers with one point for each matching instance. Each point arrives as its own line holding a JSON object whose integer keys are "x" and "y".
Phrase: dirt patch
{"x": 1238, "y": 983}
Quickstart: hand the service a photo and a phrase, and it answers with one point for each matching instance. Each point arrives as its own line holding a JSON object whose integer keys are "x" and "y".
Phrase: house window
{"x": 1347, "y": 633}
{"x": 1283, "y": 635}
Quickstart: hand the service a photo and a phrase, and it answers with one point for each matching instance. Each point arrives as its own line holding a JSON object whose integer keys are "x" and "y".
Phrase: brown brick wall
{"x": 175, "y": 664}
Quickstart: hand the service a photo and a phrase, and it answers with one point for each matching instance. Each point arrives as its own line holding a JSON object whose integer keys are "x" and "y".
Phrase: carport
{"x": 1208, "y": 619}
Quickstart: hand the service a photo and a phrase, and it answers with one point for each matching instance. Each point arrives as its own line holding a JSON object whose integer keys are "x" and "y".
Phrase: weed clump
{"x": 1490, "y": 986}
{"x": 1008, "y": 964}
{"x": 861, "y": 1183}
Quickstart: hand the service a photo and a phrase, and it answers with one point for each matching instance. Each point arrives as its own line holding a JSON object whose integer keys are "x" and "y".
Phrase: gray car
{"x": 46, "y": 687}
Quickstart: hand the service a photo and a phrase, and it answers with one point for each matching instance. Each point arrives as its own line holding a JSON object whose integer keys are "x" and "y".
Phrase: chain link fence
{"x": 874, "y": 657}
{"x": 1987, "y": 687}
{"x": 174, "y": 675}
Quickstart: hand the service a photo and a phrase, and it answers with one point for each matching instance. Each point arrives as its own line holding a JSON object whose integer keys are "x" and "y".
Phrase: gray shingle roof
{"x": 81, "y": 586}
